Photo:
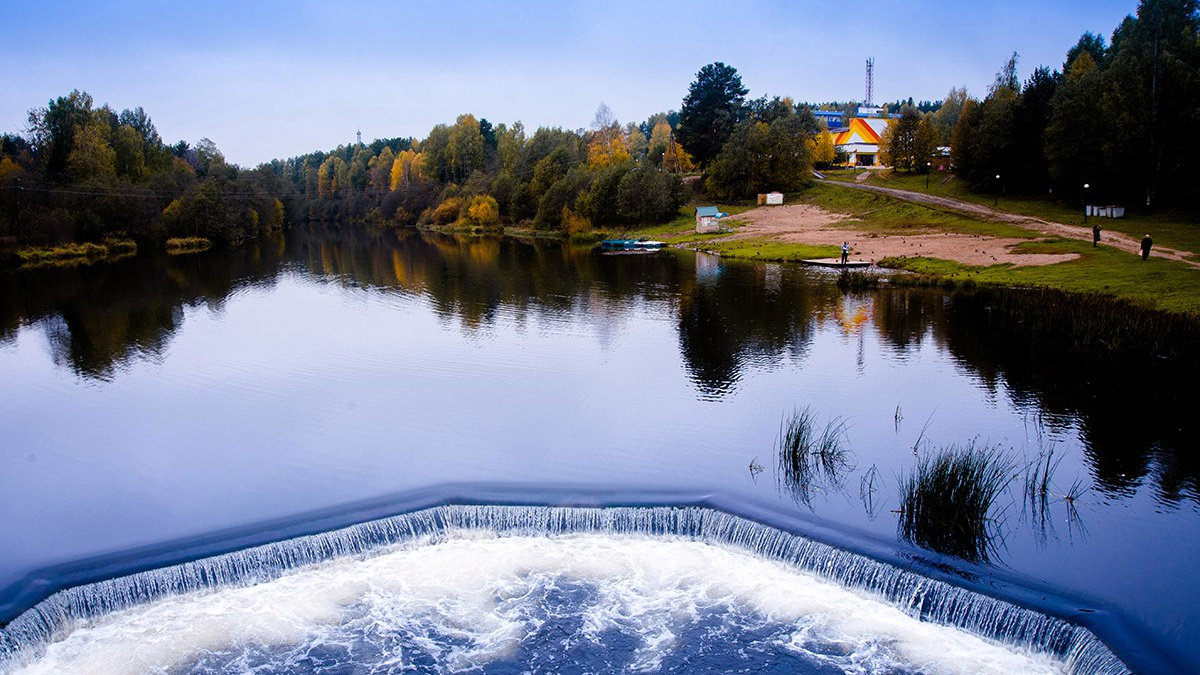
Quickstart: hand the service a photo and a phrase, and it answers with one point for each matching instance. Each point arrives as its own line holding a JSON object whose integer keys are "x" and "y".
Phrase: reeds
{"x": 857, "y": 280}
{"x": 177, "y": 245}
{"x": 1040, "y": 491}
{"x": 946, "y": 504}
{"x": 810, "y": 455}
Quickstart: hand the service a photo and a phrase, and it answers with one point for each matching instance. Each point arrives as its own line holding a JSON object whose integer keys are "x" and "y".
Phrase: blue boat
{"x": 631, "y": 245}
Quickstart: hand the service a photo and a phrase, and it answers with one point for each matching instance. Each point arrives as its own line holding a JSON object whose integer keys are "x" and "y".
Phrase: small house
{"x": 707, "y": 219}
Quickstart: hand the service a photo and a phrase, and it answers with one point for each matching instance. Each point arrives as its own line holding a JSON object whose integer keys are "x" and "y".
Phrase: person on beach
{"x": 845, "y": 252}
{"x": 1096, "y": 234}
{"x": 1147, "y": 242}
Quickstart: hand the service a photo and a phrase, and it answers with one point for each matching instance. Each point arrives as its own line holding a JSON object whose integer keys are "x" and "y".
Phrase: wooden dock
{"x": 836, "y": 262}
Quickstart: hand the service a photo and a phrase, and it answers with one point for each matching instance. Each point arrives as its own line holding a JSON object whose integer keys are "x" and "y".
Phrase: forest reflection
{"x": 730, "y": 318}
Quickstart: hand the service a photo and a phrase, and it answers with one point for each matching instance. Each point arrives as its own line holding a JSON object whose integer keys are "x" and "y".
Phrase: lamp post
{"x": 1085, "y": 188}
{"x": 997, "y": 202}
{"x": 928, "y": 168}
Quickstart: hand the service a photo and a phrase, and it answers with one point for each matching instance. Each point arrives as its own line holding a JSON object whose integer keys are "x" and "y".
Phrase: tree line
{"x": 1120, "y": 118}
{"x": 1118, "y": 123}
{"x": 85, "y": 173}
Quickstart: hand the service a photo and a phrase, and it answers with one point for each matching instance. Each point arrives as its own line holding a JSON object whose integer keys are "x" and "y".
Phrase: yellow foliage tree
{"x": 574, "y": 223}
{"x": 91, "y": 154}
{"x": 608, "y": 149}
{"x": 484, "y": 211}
{"x": 405, "y": 169}
{"x": 380, "y": 169}
{"x": 8, "y": 167}
{"x": 448, "y": 212}
{"x": 824, "y": 152}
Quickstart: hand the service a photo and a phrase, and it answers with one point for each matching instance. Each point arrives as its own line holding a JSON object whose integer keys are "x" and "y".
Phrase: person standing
{"x": 1147, "y": 242}
{"x": 845, "y": 252}
{"x": 1096, "y": 234}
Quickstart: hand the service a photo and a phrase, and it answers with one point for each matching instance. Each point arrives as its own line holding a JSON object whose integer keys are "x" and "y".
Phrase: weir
{"x": 918, "y": 596}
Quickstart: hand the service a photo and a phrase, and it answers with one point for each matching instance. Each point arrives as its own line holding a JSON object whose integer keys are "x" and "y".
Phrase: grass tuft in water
{"x": 946, "y": 504}
{"x": 811, "y": 455}
{"x": 857, "y": 280}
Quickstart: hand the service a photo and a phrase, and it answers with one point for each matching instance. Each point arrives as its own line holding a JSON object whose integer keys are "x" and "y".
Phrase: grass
{"x": 946, "y": 504}
{"x": 75, "y": 254}
{"x": 178, "y": 245}
{"x": 759, "y": 249}
{"x": 857, "y": 280}
{"x": 888, "y": 215}
{"x": 1172, "y": 229}
{"x": 810, "y": 454}
{"x": 1157, "y": 283}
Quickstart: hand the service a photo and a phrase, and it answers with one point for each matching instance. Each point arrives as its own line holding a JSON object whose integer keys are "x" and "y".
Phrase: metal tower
{"x": 870, "y": 81}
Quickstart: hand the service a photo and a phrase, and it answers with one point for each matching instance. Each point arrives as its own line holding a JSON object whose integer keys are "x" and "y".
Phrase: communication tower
{"x": 870, "y": 100}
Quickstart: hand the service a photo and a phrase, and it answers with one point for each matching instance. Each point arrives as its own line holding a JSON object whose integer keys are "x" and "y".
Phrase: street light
{"x": 1085, "y": 187}
{"x": 928, "y": 168}
{"x": 997, "y": 202}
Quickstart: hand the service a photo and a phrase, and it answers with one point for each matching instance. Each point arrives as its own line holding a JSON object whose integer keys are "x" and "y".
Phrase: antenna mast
{"x": 870, "y": 81}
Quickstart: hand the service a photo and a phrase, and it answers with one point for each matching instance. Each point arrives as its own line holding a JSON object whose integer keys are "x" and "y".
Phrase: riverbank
{"x": 955, "y": 242}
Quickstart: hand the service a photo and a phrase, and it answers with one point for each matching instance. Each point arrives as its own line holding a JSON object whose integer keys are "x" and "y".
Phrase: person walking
{"x": 1147, "y": 242}
{"x": 845, "y": 252}
{"x": 1096, "y": 234}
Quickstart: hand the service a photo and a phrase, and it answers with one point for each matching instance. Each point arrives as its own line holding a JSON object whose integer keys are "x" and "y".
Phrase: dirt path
{"x": 1045, "y": 227}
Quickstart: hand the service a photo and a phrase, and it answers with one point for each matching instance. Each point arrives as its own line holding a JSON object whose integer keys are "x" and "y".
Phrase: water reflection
{"x": 731, "y": 320}
{"x": 97, "y": 318}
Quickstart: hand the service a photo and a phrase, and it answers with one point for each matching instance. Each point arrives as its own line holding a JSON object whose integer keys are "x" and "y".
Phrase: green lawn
{"x": 1172, "y": 229}
{"x": 1156, "y": 283}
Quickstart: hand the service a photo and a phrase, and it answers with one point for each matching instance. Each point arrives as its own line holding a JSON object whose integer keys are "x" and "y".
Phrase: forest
{"x": 1119, "y": 118}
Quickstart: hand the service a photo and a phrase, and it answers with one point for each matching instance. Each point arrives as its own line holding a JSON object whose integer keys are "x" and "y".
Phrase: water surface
{"x": 159, "y": 408}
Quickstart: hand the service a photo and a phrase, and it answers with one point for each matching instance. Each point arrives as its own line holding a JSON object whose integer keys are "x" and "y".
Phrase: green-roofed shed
{"x": 707, "y": 218}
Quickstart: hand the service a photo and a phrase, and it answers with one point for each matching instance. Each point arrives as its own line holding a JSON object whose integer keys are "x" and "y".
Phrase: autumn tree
{"x": 464, "y": 149}
{"x": 824, "y": 151}
{"x": 91, "y": 153}
{"x": 909, "y": 142}
{"x": 945, "y": 118}
{"x": 484, "y": 211}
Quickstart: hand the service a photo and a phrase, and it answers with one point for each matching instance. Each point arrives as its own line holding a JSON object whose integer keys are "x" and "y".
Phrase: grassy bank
{"x": 1173, "y": 229}
{"x": 1157, "y": 283}
{"x": 72, "y": 254}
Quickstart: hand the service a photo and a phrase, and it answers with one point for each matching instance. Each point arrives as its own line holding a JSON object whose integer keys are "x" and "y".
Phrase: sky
{"x": 272, "y": 79}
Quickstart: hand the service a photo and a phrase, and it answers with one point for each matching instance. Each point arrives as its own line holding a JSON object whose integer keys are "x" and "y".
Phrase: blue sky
{"x": 272, "y": 79}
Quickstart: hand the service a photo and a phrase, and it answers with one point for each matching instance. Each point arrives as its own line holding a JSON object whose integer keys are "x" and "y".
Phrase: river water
{"x": 164, "y": 409}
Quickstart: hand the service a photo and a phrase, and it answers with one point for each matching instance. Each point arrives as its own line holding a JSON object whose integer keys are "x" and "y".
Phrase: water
{"x": 498, "y": 588}
{"x": 165, "y": 409}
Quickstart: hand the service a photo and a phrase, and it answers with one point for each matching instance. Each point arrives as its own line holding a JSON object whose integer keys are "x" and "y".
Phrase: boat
{"x": 631, "y": 245}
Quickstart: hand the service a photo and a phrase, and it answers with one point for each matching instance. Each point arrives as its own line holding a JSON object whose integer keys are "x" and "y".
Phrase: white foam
{"x": 475, "y": 592}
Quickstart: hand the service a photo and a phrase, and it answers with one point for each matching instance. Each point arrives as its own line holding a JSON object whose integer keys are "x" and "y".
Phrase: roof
{"x": 862, "y": 130}
{"x": 708, "y": 211}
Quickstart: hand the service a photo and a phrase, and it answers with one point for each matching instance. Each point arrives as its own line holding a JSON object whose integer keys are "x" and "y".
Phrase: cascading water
{"x": 481, "y": 588}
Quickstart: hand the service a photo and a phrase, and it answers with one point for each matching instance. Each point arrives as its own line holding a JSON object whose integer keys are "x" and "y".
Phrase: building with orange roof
{"x": 860, "y": 140}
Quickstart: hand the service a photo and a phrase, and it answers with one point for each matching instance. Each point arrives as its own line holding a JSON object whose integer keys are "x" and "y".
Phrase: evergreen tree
{"x": 714, "y": 105}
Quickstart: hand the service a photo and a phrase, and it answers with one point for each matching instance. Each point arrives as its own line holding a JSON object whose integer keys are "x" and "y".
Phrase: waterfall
{"x": 918, "y": 596}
